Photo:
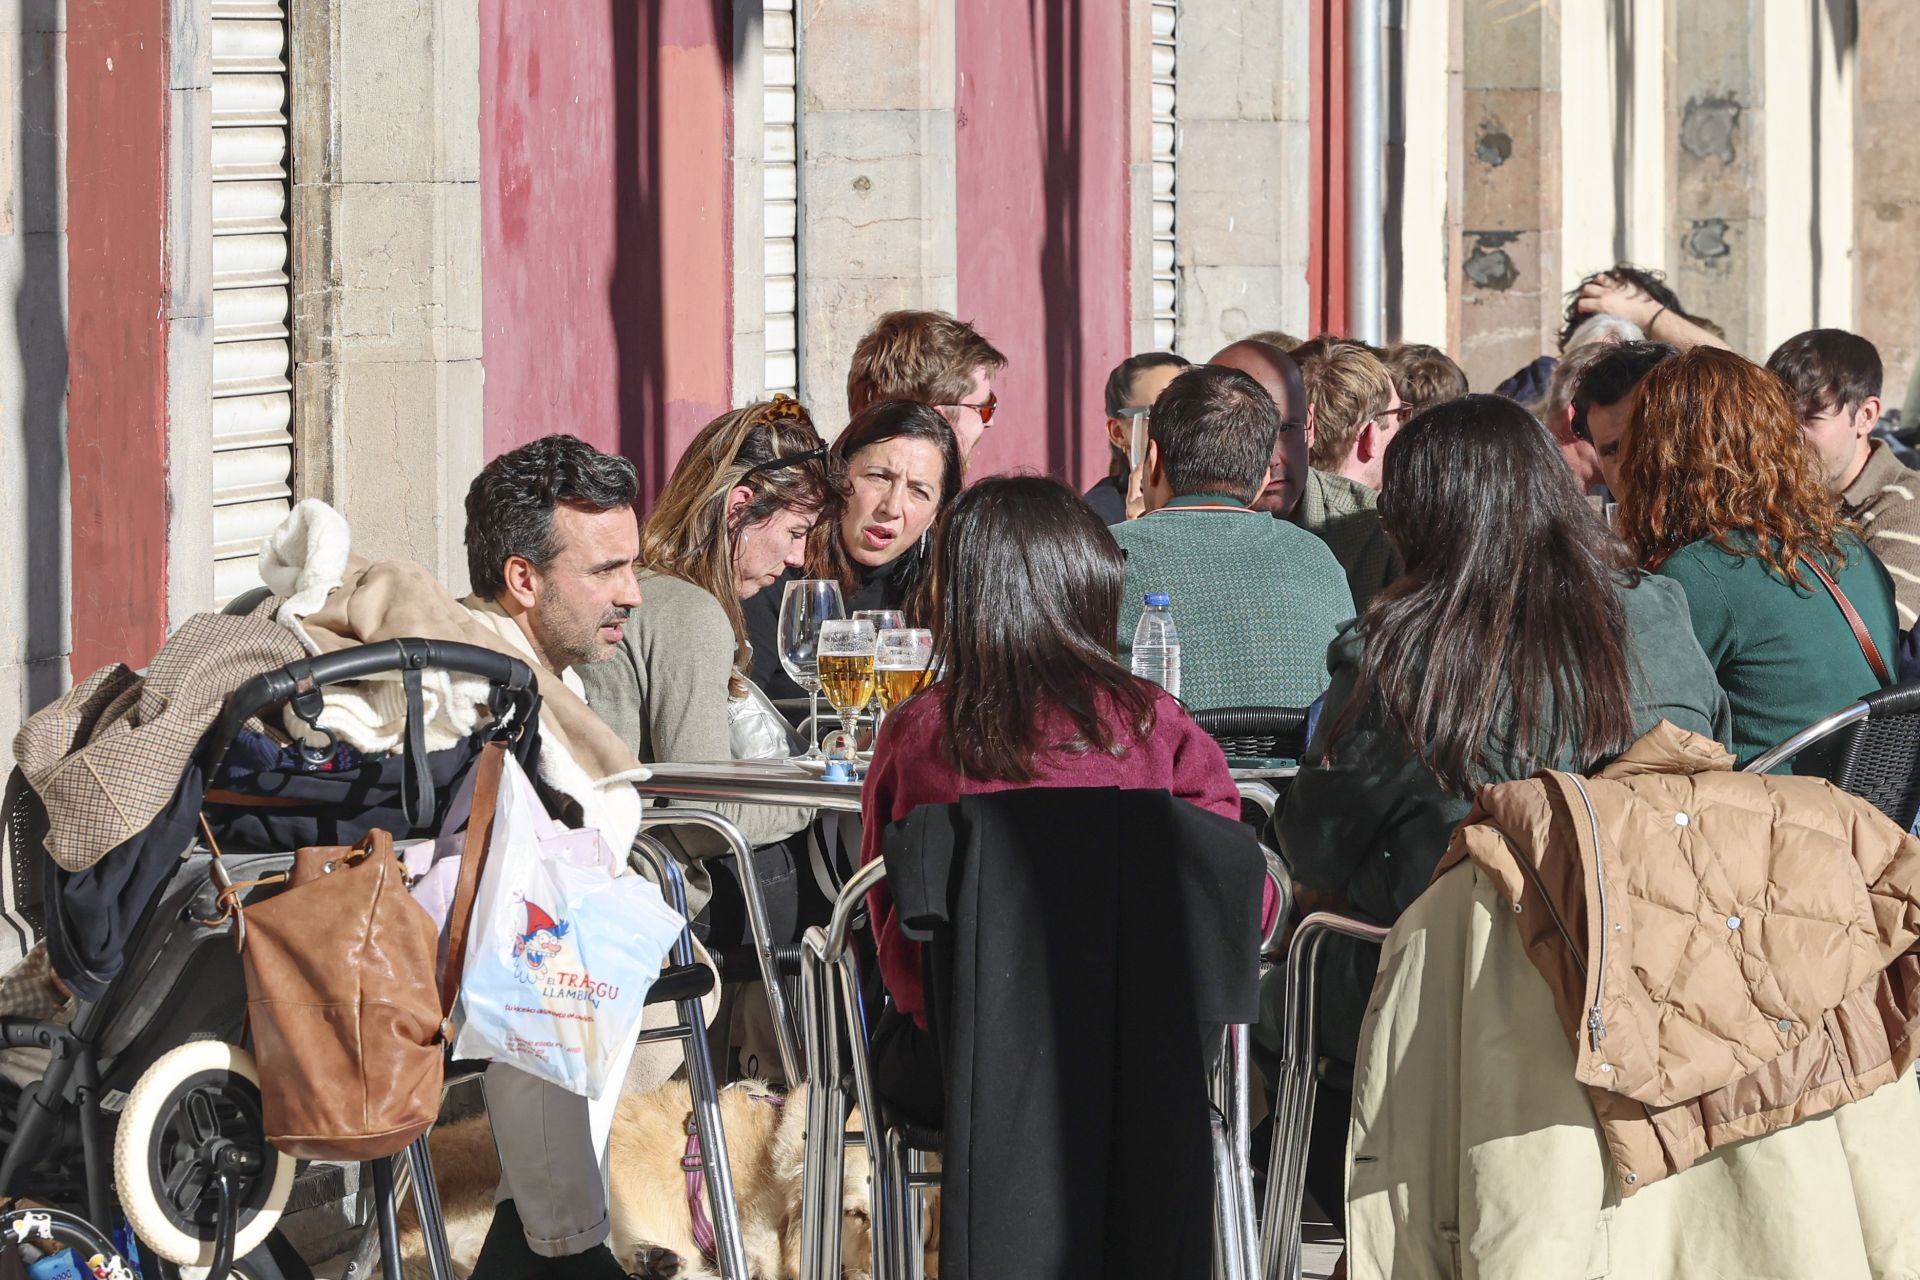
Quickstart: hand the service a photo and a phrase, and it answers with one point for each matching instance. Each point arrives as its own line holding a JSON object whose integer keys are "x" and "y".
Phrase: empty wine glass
{"x": 808, "y": 605}
{"x": 846, "y": 674}
{"x": 882, "y": 619}
{"x": 902, "y": 667}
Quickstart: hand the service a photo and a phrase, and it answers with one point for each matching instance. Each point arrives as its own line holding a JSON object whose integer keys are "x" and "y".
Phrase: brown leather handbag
{"x": 348, "y": 1022}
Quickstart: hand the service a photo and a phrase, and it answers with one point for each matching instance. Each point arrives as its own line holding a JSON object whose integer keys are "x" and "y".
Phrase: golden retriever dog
{"x": 652, "y": 1232}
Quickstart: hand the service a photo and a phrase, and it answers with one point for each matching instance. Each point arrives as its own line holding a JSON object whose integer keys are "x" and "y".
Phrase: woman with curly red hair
{"x": 1720, "y": 492}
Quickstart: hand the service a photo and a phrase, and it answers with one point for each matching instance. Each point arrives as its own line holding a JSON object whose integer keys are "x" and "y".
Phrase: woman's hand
{"x": 1137, "y": 492}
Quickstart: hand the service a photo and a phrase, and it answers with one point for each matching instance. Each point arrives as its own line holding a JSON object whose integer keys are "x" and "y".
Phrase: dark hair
{"x": 1653, "y": 282}
{"x": 878, "y": 422}
{"x": 1424, "y": 376}
{"x": 1504, "y": 644}
{"x": 1215, "y": 428}
{"x": 1827, "y": 368}
{"x": 510, "y": 504}
{"x": 1613, "y": 376}
{"x": 1120, "y": 381}
{"x": 1029, "y": 604}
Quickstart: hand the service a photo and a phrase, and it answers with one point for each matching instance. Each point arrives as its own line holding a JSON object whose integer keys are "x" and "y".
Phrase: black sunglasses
{"x": 781, "y": 464}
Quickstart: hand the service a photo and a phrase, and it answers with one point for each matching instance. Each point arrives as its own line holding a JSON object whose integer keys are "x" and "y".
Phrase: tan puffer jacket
{"x": 1728, "y": 952}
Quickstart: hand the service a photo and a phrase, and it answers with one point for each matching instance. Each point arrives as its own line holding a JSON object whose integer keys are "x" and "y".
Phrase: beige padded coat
{"x": 1728, "y": 953}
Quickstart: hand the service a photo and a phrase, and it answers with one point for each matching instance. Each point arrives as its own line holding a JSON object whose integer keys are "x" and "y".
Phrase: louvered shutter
{"x": 1166, "y": 147}
{"x": 252, "y": 356}
{"x": 780, "y": 157}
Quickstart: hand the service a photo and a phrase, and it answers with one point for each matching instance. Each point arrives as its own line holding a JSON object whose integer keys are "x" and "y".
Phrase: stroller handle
{"x": 512, "y": 680}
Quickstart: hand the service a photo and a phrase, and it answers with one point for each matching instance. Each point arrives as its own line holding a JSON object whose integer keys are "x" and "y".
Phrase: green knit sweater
{"x": 1784, "y": 654}
{"x": 1256, "y": 601}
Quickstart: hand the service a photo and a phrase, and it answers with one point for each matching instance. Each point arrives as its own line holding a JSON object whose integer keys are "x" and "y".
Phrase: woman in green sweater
{"x": 1721, "y": 493}
{"x": 735, "y": 515}
{"x": 1517, "y": 638}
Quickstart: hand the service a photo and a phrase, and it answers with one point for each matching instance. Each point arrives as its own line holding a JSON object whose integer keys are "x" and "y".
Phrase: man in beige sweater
{"x": 1834, "y": 379}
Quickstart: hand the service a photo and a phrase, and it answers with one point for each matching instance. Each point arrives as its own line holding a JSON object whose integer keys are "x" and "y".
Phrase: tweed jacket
{"x": 1345, "y": 514}
{"x": 1729, "y": 953}
{"x": 108, "y": 756}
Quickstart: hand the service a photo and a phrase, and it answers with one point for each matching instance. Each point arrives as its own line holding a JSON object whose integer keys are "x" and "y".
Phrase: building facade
{"x": 263, "y": 250}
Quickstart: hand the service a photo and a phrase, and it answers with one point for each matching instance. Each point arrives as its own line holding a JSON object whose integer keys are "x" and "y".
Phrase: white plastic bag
{"x": 561, "y": 955}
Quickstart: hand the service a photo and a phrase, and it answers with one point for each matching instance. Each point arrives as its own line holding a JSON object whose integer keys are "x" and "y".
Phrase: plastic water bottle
{"x": 1156, "y": 645}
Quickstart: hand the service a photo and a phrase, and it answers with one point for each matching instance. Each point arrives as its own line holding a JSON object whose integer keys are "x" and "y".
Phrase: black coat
{"x": 1081, "y": 940}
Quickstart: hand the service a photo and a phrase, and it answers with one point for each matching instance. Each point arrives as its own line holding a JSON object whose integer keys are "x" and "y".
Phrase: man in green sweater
{"x": 1256, "y": 600}
{"x": 1834, "y": 379}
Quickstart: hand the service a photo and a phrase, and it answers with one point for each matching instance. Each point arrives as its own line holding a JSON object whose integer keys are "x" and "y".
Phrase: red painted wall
{"x": 116, "y": 331}
{"x": 605, "y": 140}
{"x": 1327, "y": 251}
{"x": 1043, "y": 221}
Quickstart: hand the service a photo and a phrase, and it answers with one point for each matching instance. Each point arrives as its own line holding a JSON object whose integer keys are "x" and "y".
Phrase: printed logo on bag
{"x": 544, "y": 959}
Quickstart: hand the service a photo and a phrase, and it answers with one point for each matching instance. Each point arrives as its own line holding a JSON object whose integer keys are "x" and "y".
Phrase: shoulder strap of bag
{"x": 473, "y": 858}
{"x": 1860, "y": 633}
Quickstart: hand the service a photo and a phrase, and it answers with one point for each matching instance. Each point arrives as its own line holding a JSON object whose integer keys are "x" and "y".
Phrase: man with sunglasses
{"x": 930, "y": 357}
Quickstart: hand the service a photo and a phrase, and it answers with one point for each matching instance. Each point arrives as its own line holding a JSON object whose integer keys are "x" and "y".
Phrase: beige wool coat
{"x": 1668, "y": 994}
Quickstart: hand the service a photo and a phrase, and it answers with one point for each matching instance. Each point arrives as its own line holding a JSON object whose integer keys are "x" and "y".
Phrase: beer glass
{"x": 808, "y": 605}
{"x": 902, "y": 667}
{"x": 846, "y": 676}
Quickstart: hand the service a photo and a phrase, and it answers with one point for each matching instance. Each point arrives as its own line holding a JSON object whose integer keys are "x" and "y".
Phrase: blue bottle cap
{"x": 1159, "y": 600}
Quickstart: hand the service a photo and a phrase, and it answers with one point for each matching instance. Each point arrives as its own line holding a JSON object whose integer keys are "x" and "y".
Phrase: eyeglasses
{"x": 984, "y": 410}
{"x": 1399, "y": 413}
{"x": 1292, "y": 426}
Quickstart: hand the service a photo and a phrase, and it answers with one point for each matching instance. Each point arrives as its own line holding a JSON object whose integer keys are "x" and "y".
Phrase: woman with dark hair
{"x": 900, "y": 468}
{"x": 1032, "y": 696}
{"x": 1517, "y": 638}
{"x": 1721, "y": 493}
{"x": 736, "y": 513}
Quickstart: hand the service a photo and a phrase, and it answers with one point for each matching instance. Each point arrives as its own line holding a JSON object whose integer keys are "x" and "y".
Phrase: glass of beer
{"x": 846, "y": 677}
{"x": 902, "y": 667}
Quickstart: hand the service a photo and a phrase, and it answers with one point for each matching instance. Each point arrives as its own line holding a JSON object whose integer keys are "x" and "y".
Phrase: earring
{"x": 926, "y": 539}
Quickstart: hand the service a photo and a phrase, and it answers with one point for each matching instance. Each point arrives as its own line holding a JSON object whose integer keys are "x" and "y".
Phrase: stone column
{"x": 1716, "y": 123}
{"x": 1886, "y": 188}
{"x": 877, "y": 171}
{"x": 1509, "y": 250}
{"x": 387, "y": 270}
{"x": 1244, "y": 201}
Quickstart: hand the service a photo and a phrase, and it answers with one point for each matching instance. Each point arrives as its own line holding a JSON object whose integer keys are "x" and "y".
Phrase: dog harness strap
{"x": 696, "y": 1171}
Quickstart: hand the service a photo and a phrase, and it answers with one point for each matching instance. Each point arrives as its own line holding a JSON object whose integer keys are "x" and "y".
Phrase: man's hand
{"x": 1620, "y": 298}
{"x": 1629, "y": 301}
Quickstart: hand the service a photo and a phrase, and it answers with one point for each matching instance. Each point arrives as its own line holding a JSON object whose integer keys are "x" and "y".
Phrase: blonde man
{"x": 930, "y": 357}
{"x": 1355, "y": 411}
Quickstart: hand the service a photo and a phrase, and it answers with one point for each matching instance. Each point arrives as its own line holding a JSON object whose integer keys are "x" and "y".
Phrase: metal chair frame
{"x": 831, "y": 1005}
{"x": 1293, "y": 1110}
{"x": 1235, "y": 727}
{"x": 1853, "y": 770}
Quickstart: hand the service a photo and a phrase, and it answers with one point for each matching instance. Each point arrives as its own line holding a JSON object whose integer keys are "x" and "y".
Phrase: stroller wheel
{"x": 192, "y": 1103}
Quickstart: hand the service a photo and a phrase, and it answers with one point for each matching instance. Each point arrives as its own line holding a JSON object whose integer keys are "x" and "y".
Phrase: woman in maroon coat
{"x": 1028, "y": 584}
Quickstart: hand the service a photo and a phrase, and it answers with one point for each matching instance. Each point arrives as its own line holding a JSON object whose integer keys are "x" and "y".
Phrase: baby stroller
{"x": 136, "y": 1101}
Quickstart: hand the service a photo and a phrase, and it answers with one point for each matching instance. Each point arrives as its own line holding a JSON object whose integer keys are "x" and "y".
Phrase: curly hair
{"x": 770, "y": 449}
{"x": 1715, "y": 452}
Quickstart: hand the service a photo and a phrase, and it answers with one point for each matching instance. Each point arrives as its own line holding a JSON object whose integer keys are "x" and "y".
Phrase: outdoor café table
{"x": 782, "y": 782}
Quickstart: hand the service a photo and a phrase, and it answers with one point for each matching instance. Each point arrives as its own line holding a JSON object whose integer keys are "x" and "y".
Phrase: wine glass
{"x": 846, "y": 674}
{"x": 902, "y": 667}
{"x": 808, "y": 605}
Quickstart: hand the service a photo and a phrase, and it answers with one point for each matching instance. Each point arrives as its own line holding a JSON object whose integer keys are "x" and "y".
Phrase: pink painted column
{"x": 1043, "y": 221}
{"x": 606, "y": 138}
